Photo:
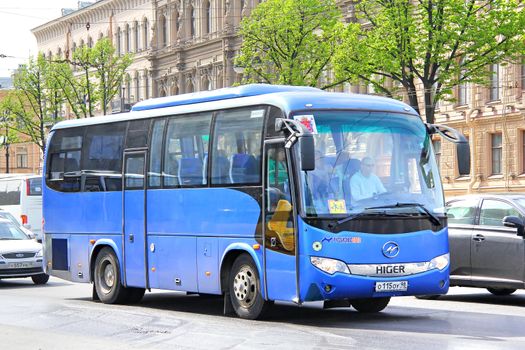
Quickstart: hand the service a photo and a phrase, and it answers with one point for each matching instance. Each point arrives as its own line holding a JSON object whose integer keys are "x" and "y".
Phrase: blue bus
{"x": 258, "y": 193}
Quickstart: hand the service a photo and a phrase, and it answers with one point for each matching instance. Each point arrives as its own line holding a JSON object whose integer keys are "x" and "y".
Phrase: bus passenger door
{"x": 134, "y": 264}
{"x": 279, "y": 229}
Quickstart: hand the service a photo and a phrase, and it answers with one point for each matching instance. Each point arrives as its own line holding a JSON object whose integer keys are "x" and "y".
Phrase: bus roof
{"x": 287, "y": 98}
{"x": 217, "y": 95}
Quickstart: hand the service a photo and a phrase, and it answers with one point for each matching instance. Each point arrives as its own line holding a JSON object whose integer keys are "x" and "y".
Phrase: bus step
{"x": 329, "y": 304}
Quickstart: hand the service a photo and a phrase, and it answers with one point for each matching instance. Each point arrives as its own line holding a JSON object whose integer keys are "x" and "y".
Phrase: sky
{"x": 17, "y": 18}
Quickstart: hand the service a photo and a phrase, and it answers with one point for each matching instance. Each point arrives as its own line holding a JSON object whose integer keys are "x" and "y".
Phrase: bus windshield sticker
{"x": 258, "y": 113}
{"x": 337, "y": 206}
{"x": 308, "y": 121}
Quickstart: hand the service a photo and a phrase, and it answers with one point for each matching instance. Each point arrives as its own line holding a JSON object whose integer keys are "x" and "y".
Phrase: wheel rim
{"x": 245, "y": 286}
{"x": 107, "y": 277}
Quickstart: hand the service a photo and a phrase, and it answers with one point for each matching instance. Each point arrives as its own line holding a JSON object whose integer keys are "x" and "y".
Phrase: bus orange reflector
{"x": 92, "y": 241}
{"x": 153, "y": 269}
{"x": 256, "y": 246}
{"x": 208, "y": 273}
{"x": 24, "y": 219}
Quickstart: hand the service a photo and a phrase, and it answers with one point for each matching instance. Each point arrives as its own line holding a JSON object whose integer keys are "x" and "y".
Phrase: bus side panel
{"x": 173, "y": 262}
{"x": 101, "y": 213}
{"x": 208, "y": 265}
{"x": 206, "y": 212}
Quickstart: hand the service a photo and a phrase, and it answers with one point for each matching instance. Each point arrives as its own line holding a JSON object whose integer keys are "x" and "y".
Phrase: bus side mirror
{"x": 463, "y": 158}
{"x": 307, "y": 150}
{"x": 462, "y": 146}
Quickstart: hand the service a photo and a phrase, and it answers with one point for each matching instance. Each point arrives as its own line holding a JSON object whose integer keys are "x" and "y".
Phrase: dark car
{"x": 487, "y": 246}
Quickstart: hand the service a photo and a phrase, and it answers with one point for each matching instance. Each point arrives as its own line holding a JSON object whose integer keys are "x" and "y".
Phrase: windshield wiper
{"x": 433, "y": 218}
{"x": 365, "y": 213}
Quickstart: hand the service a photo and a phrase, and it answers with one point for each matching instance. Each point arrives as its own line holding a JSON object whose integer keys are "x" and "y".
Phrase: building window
{"x": 164, "y": 31}
{"x": 437, "y": 151}
{"x": 21, "y": 158}
{"x": 146, "y": 34}
{"x": 496, "y": 153}
{"x": 119, "y": 48}
{"x": 463, "y": 87}
{"x": 193, "y": 22}
{"x": 523, "y": 74}
{"x": 494, "y": 82}
{"x": 523, "y": 151}
{"x": 128, "y": 38}
{"x": 136, "y": 36}
{"x": 208, "y": 17}
{"x": 90, "y": 42}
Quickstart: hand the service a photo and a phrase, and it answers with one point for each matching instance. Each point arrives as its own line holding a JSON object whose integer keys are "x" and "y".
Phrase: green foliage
{"x": 109, "y": 70}
{"x": 435, "y": 44}
{"x": 290, "y": 42}
{"x": 36, "y": 102}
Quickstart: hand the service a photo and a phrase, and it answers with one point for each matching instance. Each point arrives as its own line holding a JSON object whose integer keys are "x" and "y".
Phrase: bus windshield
{"x": 370, "y": 162}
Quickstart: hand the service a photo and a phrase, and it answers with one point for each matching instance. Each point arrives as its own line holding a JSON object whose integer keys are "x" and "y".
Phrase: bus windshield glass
{"x": 370, "y": 162}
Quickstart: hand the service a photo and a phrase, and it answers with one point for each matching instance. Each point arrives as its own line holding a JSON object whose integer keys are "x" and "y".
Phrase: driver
{"x": 365, "y": 184}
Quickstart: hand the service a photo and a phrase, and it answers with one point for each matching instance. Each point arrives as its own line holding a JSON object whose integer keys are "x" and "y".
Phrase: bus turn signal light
{"x": 24, "y": 219}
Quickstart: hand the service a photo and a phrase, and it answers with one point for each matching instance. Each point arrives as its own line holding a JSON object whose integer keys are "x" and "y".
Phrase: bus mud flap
{"x": 95, "y": 295}
{"x": 228, "y": 307}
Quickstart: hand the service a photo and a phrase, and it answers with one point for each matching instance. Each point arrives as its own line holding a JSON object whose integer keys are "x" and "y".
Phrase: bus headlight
{"x": 440, "y": 262}
{"x": 40, "y": 253}
{"x": 329, "y": 266}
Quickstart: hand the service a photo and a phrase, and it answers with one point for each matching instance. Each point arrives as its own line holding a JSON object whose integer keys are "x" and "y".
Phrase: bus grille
{"x": 18, "y": 255}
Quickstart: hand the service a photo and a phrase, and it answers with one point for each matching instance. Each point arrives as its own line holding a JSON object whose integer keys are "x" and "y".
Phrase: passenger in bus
{"x": 365, "y": 184}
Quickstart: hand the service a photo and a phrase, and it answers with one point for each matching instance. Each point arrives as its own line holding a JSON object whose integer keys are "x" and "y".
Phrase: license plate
{"x": 19, "y": 265}
{"x": 397, "y": 286}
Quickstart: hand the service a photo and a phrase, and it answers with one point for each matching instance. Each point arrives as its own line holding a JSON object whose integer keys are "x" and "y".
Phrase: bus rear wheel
{"x": 107, "y": 278}
{"x": 245, "y": 289}
{"x": 370, "y": 305}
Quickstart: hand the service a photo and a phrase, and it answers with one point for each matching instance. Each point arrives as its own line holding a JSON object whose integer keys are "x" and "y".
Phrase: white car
{"x": 20, "y": 256}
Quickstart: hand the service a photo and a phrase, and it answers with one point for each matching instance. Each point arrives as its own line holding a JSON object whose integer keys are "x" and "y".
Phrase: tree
{"x": 289, "y": 42}
{"x": 109, "y": 69}
{"x": 36, "y": 102}
{"x": 436, "y": 44}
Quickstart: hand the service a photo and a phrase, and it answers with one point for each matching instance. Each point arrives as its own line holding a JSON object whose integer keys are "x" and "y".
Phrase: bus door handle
{"x": 131, "y": 237}
{"x": 478, "y": 238}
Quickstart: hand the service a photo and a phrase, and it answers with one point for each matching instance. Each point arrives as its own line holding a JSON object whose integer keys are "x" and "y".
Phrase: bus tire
{"x": 107, "y": 278}
{"x": 40, "y": 279}
{"x": 370, "y": 305}
{"x": 135, "y": 295}
{"x": 245, "y": 289}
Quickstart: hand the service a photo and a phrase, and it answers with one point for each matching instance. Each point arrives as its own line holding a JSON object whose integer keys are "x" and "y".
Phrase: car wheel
{"x": 245, "y": 289}
{"x": 501, "y": 291}
{"x": 40, "y": 279}
{"x": 370, "y": 305}
{"x": 107, "y": 278}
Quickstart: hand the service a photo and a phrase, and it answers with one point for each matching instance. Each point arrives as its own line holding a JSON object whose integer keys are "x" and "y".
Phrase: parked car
{"x": 21, "y": 195}
{"x": 8, "y": 216}
{"x": 20, "y": 256}
{"x": 487, "y": 245}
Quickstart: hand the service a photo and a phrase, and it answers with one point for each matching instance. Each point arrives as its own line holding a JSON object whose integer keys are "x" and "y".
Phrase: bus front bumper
{"x": 319, "y": 285}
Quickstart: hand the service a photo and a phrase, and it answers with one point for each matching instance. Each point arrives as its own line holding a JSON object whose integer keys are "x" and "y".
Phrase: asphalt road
{"x": 61, "y": 315}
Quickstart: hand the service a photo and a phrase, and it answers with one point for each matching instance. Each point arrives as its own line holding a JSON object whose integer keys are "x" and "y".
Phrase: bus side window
{"x": 154, "y": 173}
{"x": 186, "y": 150}
{"x": 236, "y": 151}
{"x": 64, "y": 160}
{"x": 277, "y": 180}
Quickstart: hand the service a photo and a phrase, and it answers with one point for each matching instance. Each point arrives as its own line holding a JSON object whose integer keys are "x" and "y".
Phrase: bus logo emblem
{"x": 317, "y": 246}
{"x": 390, "y": 249}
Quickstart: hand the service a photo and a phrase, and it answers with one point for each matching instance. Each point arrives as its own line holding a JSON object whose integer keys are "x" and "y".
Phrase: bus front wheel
{"x": 370, "y": 305}
{"x": 107, "y": 278}
{"x": 245, "y": 289}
